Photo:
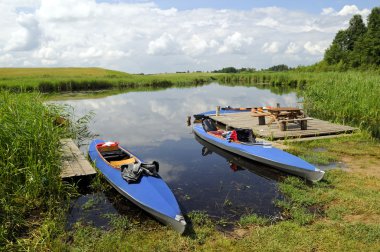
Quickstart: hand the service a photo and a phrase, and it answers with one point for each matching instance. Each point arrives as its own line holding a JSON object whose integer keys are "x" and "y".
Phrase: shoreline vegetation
{"x": 342, "y": 97}
{"x": 340, "y": 213}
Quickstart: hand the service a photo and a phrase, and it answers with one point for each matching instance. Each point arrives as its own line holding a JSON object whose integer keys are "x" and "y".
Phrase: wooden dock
{"x": 73, "y": 161}
{"x": 315, "y": 127}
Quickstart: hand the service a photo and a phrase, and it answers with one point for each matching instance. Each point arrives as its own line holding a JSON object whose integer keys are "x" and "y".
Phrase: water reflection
{"x": 153, "y": 126}
{"x": 238, "y": 163}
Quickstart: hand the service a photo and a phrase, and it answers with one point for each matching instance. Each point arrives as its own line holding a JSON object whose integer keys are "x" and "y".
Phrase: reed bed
{"x": 29, "y": 161}
{"x": 348, "y": 98}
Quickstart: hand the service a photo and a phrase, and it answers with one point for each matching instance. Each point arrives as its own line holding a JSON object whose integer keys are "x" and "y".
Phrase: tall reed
{"x": 29, "y": 162}
{"x": 349, "y": 98}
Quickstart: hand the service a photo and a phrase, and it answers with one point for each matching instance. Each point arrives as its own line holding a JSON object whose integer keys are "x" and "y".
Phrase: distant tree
{"x": 226, "y": 70}
{"x": 229, "y": 70}
{"x": 279, "y": 68}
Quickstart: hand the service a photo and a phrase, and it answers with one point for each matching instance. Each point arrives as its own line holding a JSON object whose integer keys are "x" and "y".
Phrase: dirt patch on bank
{"x": 363, "y": 218}
{"x": 367, "y": 165}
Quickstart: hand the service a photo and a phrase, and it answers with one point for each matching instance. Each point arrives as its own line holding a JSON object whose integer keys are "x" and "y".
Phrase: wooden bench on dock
{"x": 282, "y": 116}
{"x": 261, "y": 116}
{"x": 301, "y": 121}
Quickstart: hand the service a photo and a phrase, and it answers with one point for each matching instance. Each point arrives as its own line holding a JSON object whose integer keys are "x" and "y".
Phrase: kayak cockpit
{"x": 114, "y": 155}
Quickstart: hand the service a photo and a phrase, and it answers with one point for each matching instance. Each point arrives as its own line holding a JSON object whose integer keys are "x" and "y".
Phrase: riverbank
{"x": 339, "y": 213}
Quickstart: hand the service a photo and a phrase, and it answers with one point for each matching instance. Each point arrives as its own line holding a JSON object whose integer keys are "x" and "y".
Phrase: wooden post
{"x": 188, "y": 120}
{"x": 217, "y": 111}
{"x": 303, "y": 124}
{"x": 261, "y": 120}
{"x": 283, "y": 126}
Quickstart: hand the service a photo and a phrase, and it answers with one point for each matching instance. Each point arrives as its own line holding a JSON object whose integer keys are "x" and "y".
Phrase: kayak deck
{"x": 264, "y": 154}
{"x": 151, "y": 193}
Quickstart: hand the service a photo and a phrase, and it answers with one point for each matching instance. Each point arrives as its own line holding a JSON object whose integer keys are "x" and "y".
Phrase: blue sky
{"x": 312, "y": 6}
{"x": 139, "y": 36}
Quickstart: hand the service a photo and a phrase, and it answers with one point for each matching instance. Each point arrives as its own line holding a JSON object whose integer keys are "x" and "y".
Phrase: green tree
{"x": 346, "y": 48}
{"x": 371, "y": 42}
{"x": 355, "y": 31}
{"x": 338, "y": 51}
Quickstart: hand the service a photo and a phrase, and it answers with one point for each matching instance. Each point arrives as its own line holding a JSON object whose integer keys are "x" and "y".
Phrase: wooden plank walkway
{"x": 315, "y": 127}
{"x": 73, "y": 161}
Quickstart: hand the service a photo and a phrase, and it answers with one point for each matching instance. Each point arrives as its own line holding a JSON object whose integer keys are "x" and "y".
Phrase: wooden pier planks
{"x": 315, "y": 127}
{"x": 73, "y": 161}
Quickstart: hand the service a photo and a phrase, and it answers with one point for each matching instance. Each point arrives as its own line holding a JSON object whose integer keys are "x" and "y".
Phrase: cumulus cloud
{"x": 164, "y": 45}
{"x": 26, "y": 36}
{"x": 347, "y": 10}
{"x": 141, "y": 37}
{"x": 235, "y": 43}
{"x": 292, "y": 48}
{"x": 268, "y": 22}
{"x": 272, "y": 47}
{"x": 315, "y": 48}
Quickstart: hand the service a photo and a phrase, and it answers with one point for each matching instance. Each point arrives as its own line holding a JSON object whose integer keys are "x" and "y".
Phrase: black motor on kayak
{"x": 245, "y": 135}
{"x": 209, "y": 125}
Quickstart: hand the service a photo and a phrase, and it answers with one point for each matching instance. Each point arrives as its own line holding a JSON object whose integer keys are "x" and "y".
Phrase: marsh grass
{"x": 50, "y": 80}
{"x": 348, "y": 98}
{"x": 30, "y": 186}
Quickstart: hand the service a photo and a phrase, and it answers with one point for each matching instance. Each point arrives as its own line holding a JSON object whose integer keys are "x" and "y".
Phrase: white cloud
{"x": 315, "y": 48}
{"x": 347, "y": 10}
{"x": 26, "y": 36}
{"x": 271, "y": 47}
{"x": 292, "y": 48}
{"x": 196, "y": 45}
{"x": 268, "y": 22}
{"x": 351, "y": 10}
{"x": 88, "y": 33}
{"x": 164, "y": 45}
{"x": 327, "y": 11}
{"x": 235, "y": 43}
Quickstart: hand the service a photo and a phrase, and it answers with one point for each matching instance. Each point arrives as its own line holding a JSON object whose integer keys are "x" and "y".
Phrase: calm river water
{"x": 153, "y": 125}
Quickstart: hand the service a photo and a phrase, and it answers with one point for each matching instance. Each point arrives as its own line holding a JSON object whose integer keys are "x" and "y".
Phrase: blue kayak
{"x": 263, "y": 153}
{"x": 150, "y": 193}
{"x": 224, "y": 110}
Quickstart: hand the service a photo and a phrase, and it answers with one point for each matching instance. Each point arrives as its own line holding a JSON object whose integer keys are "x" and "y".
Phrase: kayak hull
{"x": 265, "y": 154}
{"x": 150, "y": 194}
{"x": 226, "y": 110}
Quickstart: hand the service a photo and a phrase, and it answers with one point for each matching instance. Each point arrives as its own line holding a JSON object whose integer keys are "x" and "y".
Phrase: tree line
{"x": 358, "y": 46}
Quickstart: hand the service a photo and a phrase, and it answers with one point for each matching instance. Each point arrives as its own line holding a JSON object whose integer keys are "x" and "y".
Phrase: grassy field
{"x": 81, "y": 79}
{"x": 339, "y": 213}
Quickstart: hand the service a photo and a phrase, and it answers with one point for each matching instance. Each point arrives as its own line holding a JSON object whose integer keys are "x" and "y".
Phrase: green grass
{"x": 30, "y": 186}
{"x": 82, "y": 79}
